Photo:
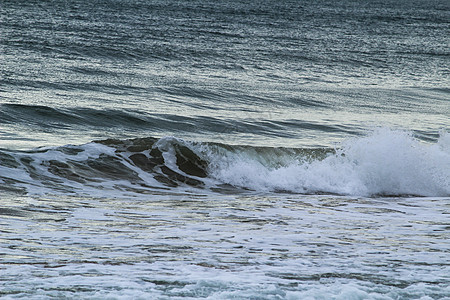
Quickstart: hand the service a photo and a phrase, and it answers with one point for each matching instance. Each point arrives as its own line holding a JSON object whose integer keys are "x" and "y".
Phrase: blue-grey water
{"x": 225, "y": 149}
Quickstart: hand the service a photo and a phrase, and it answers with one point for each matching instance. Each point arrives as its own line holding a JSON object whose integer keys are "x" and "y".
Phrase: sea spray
{"x": 385, "y": 162}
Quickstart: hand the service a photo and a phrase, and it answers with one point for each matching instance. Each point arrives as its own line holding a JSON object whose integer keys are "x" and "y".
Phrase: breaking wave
{"x": 385, "y": 162}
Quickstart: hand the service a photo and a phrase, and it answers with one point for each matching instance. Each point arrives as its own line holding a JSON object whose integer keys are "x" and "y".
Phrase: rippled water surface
{"x": 224, "y": 150}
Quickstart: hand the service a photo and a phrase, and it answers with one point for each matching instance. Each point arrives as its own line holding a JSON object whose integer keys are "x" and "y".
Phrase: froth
{"x": 385, "y": 162}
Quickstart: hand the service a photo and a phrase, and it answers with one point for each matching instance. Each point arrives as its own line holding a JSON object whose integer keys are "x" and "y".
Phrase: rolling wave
{"x": 386, "y": 162}
{"x": 45, "y": 117}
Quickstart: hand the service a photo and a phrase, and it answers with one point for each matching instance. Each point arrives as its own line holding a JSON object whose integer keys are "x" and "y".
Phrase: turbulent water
{"x": 224, "y": 149}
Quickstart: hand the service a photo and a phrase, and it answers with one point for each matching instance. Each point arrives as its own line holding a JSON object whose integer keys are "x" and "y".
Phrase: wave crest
{"x": 385, "y": 162}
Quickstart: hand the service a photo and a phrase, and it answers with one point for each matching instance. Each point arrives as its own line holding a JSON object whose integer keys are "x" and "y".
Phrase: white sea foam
{"x": 386, "y": 161}
{"x": 224, "y": 247}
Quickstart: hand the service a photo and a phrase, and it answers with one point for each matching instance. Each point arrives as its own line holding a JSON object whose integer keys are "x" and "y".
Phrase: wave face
{"x": 385, "y": 162}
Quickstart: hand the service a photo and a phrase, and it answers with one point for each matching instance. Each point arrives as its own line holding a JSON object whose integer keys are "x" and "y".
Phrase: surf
{"x": 385, "y": 162}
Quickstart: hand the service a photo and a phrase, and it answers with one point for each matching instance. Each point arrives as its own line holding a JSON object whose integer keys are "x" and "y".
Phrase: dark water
{"x": 224, "y": 149}
{"x": 283, "y": 73}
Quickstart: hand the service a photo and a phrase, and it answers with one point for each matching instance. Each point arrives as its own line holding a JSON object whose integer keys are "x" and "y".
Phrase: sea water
{"x": 224, "y": 150}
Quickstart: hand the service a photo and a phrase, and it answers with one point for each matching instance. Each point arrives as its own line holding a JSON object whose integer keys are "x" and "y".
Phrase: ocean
{"x": 225, "y": 149}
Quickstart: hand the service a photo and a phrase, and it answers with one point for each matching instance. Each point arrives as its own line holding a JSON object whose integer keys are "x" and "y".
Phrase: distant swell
{"x": 43, "y": 117}
{"x": 386, "y": 162}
